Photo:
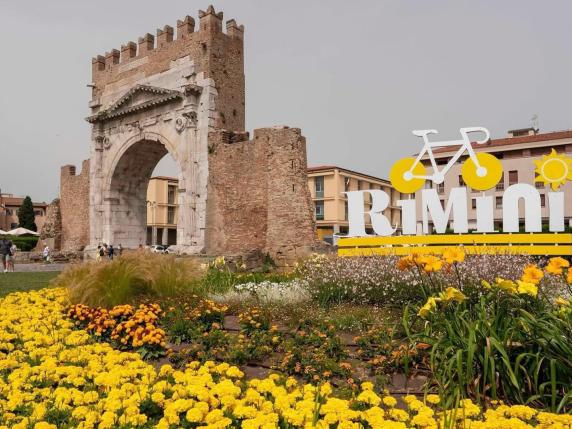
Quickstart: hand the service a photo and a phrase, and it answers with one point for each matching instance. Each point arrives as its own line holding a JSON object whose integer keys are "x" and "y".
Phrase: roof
{"x": 509, "y": 141}
{"x": 17, "y": 201}
{"x": 317, "y": 168}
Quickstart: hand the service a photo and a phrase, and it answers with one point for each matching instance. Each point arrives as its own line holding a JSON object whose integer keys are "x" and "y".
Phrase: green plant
{"x": 131, "y": 278}
{"x": 25, "y": 244}
{"x": 508, "y": 346}
{"x": 26, "y": 216}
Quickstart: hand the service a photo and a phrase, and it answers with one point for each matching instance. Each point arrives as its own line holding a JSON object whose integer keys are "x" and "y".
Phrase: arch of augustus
{"x": 182, "y": 93}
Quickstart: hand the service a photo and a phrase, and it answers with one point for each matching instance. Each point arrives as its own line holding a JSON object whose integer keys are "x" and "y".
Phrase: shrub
{"x": 130, "y": 278}
{"x": 25, "y": 244}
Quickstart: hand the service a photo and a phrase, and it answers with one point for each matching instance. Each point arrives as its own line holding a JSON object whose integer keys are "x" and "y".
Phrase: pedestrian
{"x": 5, "y": 246}
{"x": 46, "y": 254}
{"x": 119, "y": 249}
{"x": 10, "y": 263}
{"x": 100, "y": 253}
{"x": 110, "y": 252}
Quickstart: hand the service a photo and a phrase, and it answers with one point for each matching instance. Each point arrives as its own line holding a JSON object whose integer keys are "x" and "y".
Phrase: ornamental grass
{"x": 53, "y": 376}
{"x": 130, "y": 278}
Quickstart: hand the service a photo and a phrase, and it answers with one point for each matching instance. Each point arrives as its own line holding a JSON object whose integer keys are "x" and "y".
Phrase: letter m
{"x": 456, "y": 203}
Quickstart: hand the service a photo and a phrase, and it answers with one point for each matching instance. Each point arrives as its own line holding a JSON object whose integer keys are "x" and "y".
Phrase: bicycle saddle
{"x": 422, "y": 133}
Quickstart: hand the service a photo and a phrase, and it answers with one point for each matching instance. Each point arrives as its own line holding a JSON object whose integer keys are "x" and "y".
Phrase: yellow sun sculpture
{"x": 553, "y": 170}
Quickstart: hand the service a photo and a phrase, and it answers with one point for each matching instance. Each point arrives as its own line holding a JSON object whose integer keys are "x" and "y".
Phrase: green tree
{"x": 26, "y": 215}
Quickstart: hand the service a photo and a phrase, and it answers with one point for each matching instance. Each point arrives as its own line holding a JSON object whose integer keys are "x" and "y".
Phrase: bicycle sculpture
{"x": 480, "y": 171}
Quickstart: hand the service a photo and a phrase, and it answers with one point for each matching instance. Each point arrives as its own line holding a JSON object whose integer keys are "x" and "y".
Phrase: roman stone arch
{"x": 125, "y": 188}
{"x": 137, "y": 129}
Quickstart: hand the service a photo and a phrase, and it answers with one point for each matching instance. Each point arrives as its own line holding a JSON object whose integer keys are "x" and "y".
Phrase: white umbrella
{"x": 21, "y": 231}
{"x": 2, "y": 232}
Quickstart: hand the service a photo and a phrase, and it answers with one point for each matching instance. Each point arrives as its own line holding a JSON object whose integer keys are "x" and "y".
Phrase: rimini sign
{"x": 480, "y": 171}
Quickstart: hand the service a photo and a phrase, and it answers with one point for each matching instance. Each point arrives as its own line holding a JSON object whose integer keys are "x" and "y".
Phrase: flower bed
{"x": 52, "y": 375}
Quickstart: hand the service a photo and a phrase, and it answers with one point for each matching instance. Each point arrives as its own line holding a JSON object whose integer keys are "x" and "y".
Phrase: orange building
{"x": 9, "y": 206}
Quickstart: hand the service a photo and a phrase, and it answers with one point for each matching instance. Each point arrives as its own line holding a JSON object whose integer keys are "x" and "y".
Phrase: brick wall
{"x": 258, "y": 197}
{"x": 74, "y": 207}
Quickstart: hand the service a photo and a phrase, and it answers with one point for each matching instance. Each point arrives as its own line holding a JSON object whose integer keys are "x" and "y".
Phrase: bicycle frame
{"x": 438, "y": 176}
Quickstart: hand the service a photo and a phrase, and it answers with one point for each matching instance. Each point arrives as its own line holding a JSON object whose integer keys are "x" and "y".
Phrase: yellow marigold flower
{"x": 532, "y": 274}
{"x": 433, "y": 399}
{"x": 556, "y": 265}
{"x": 454, "y": 255}
{"x": 389, "y": 401}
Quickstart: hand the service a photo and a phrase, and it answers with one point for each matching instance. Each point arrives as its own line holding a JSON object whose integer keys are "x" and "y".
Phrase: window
{"x": 319, "y": 186}
{"x": 500, "y": 184}
{"x": 319, "y": 210}
{"x": 360, "y": 185}
{"x": 441, "y": 188}
{"x": 461, "y": 181}
{"x": 171, "y": 215}
{"x": 512, "y": 177}
{"x": 539, "y": 185}
{"x": 171, "y": 191}
{"x": 9, "y": 212}
{"x": 428, "y": 184}
{"x": 474, "y": 203}
{"x": 13, "y": 225}
{"x": 542, "y": 200}
{"x": 345, "y": 210}
{"x": 498, "y": 202}
{"x": 346, "y": 184}
{"x": 38, "y": 213}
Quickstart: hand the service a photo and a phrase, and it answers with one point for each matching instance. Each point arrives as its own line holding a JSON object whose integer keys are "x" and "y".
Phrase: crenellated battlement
{"x": 105, "y": 67}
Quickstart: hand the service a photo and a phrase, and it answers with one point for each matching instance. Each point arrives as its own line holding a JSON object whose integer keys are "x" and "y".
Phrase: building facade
{"x": 162, "y": 210}
{"x": 517, "y": 153}
{"x": 327, "y": 186}
{"x": 9, "y": 206}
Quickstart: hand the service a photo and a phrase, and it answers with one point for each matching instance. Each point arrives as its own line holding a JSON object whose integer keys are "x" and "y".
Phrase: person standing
{"x": 119, "y": 249}
{"x": 110, "y": 252}
{"x": 100, "y": 253}
{"x": 46, "y": 254}
{"x": 5, "y": 246}
{"x": 10, "y": 263}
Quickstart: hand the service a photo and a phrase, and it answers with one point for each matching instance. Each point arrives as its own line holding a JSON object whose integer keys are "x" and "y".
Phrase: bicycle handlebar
{"x": 423, "y": 133}
{"x": 466, "y": 131}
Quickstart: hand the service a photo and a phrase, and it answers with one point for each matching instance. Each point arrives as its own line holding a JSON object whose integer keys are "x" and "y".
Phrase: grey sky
{"x": 356, "y": 76}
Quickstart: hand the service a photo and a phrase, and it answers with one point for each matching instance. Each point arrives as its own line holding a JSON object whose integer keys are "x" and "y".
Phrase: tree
{"x": 26, "y": 216}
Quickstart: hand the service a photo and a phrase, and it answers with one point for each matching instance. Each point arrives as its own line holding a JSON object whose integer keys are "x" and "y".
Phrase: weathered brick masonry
{"x": 74, "y": 207}
{"x": 176, "y": 94}
{"x": 258, "y": 197}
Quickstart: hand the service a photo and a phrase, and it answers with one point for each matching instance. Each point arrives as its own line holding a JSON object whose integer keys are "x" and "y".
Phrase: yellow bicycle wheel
{"x": 397, "y": 175}
{"x": 492, "y": 176}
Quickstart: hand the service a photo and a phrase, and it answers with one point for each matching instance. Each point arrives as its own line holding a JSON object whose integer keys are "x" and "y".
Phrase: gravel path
{"x": 27, "y": 268}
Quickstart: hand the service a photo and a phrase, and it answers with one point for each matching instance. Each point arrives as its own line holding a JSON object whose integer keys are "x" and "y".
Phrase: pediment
{"x": 140, "y": 97}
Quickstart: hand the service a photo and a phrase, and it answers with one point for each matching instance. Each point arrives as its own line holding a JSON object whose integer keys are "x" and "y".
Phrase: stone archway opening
{"x": 136, "y": 216}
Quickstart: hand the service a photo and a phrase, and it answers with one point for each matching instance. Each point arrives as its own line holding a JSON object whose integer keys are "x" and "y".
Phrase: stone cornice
{"x": 165, "y": 96}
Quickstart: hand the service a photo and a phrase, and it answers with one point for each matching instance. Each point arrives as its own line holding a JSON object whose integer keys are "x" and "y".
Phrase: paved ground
{"x": 28, "y": 268}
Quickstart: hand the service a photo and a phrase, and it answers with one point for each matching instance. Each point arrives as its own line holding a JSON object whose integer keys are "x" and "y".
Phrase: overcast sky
{"x": 356, "y": 76}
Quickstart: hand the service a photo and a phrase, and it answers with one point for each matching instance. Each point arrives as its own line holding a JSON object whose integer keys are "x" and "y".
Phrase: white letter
{"x": 556, "y": 207}
{"x": 510, "y": 215}
{"x": 485, "y": 217}
{"x": 379, "y": 202}
{"x": 408, "y": 217}
{"x": 457, "y": 201}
